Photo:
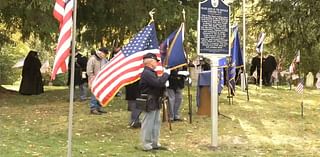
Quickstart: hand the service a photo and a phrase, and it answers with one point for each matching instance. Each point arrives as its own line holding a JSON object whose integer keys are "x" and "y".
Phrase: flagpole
{"x": 302, "y": 106}
{"x": 244, "y": 47}
{"x": 260, "y": 78}
{"x": 72, "y": 79}
{"x": 188, "y": 84}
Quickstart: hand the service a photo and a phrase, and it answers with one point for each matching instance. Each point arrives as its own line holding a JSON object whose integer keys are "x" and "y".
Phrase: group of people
{"x": 153, "y": 86}
{"x": 169, "y": 84}
{"x": 150, "y": 84}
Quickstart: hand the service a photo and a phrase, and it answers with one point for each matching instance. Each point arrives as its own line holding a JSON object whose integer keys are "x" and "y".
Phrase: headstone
{"x": 310, "y": 80}
{"x": 243, "y": 83}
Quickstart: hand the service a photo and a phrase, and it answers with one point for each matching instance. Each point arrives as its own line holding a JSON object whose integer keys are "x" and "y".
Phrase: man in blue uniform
{"x": 176, "y": 85}
{"x": 154, "y": 86}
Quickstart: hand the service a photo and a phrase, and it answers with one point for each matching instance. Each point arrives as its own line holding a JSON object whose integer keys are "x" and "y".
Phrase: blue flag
{"x": 222, "y": 63}
{"x": 164, "y": 46}
{"x": 236, "y": 59}
{"x": 172, "y": 50}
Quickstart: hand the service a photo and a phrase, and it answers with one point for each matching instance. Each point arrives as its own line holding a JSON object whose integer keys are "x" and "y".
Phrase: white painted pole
{"x": 70, "y": 117}
{"x": 214, "y": 101}
{"x": 261, "y": 57}
{"x": 244, "y": 45}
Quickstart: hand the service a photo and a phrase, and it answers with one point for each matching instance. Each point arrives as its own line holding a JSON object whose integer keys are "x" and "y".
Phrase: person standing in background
{"x": 82, "y": 61}
{"x": 80, "y": 77}
{"x": 268, "y": 66}
{"x": 176, "y": 85}
{"x": 255, "y": 67}
{"x": 132, "y": 92}
{"x": 94, "y": 65}
{"x": 31, "y": 83}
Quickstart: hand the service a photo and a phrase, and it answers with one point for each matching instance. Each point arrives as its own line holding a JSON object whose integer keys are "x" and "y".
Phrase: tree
{"x": 291, "y": 26}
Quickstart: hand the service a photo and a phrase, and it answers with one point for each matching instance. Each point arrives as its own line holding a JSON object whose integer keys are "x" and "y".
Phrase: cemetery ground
{"x": 270, "y": 124}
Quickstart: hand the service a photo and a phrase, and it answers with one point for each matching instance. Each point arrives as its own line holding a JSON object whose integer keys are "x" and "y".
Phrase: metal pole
{"x": 260, "y": 78}
{"x": 72, "y": 79}
{"x": 214, "y": 101}
{"x": 244, "y": 47}
{"x": 244, "y": 37}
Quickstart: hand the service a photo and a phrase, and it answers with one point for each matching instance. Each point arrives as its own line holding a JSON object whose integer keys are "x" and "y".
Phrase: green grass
{"x": 270, "y": 124}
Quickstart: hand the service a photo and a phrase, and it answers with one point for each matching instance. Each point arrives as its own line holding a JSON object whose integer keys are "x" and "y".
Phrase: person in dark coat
{"x": 31, "y": 83}
{"x": 269, "y": 65}
{"x": 132, "y": 92}
{"x": 176, "y": 85}
{"x": 154, "y": 86}
{"x": 80, "y": 75}
{"x": 255, "y": 66}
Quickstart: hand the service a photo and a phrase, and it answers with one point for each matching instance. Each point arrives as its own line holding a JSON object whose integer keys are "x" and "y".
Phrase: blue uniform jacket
{"x": 153, "y": 86}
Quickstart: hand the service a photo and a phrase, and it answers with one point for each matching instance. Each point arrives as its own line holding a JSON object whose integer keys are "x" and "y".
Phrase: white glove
{"x": 189, "y": 80}
{"x": 184, "y": 73}
{"x": 167, "y": 84}
{"x": 166, "y": 71}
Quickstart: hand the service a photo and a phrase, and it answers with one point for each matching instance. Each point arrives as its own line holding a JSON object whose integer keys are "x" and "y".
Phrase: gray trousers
{"x": 175, "y": 100}
{"x": 134, "y": 118}
{"x": 83, "y": 91}
{"x": 150, "y": 129}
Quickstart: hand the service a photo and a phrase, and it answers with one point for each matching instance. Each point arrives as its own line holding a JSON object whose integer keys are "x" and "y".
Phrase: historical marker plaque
{"x": 213, "y": 28}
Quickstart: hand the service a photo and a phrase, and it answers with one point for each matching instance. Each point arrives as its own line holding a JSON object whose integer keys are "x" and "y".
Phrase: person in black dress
{"x": 31, "y": 83}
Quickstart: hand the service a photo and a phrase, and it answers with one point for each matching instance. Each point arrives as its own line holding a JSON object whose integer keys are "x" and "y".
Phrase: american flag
{"x": 126, "y": 66}
{"x": 63, "y": 10}
{"x": 294, "y": 64}
{"x": 299, "y": 87}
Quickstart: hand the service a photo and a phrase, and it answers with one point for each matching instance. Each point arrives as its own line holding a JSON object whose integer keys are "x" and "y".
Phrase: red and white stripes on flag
{"x": 126, "y": 66}
{"x": 63, "y": 10}
{"x": 299, "y": 87}
{"x": 294, "y": 63}
{"x": 119, "y": 72}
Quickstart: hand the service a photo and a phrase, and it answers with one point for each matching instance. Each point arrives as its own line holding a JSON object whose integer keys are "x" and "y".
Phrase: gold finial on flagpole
{"x": 184, "y": 15}
{"x": 151, "y": 15}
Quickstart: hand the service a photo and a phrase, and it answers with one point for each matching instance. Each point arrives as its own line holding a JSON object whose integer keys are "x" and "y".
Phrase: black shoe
{"x": 101, "y": 111}
{"x": 95, "y": 112}
{"x": 178, "y": 119}
{"x": 160, "y": 148}
{"x": 135, "y": 125}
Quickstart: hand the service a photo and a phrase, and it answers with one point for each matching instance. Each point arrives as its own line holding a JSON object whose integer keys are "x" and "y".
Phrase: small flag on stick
{"x": 259, "y": 46}
{"x": 294, "y": 64}
{"x": 299, "y": 87}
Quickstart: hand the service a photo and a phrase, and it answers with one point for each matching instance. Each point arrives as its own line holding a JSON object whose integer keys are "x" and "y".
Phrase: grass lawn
{"x": 270, "y": 124}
